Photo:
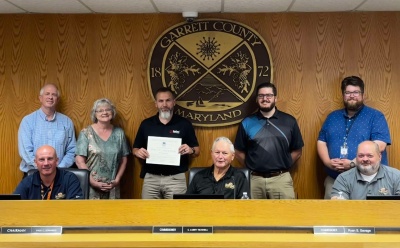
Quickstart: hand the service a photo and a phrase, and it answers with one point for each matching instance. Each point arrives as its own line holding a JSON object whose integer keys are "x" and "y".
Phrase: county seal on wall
{"x": 213, "y": 66}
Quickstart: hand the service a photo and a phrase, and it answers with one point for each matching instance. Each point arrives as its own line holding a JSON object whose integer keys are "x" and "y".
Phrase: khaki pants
{"x": 328, "y": 187}
{"x": 163, "y": 187}
{"x": 279, "y": 187}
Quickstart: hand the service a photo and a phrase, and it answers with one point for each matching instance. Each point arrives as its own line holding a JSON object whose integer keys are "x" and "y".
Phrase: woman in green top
{"x": 102, "y": 149}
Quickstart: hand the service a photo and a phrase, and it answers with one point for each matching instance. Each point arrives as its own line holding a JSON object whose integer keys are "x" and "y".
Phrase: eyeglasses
{"x": 354, "y": 93}
{"x": 103, "y": 110}
{"x": 268, "y": 96}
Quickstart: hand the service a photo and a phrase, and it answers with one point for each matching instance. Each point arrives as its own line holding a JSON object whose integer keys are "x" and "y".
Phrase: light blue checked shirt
{"x": 35, "y": 131}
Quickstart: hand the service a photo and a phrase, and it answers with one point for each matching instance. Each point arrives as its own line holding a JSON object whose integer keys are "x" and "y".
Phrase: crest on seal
{"x": 213, "y": 66}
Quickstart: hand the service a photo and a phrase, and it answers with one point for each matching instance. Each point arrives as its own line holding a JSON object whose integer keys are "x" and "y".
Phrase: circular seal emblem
{"x": 213, "y": 67}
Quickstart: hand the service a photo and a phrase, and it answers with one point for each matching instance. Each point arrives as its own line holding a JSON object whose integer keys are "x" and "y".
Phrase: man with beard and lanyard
{"x": 162, "y": 181}
{"x": 368, "y": 178}
{"x": 344, "y": 129}
{"x": 269, "y": 142}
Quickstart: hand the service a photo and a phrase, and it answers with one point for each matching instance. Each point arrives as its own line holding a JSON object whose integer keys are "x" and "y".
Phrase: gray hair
{"x": 102, "y": 102}
{"x": 44, "y": 86}
{"x": 226, "y": 140}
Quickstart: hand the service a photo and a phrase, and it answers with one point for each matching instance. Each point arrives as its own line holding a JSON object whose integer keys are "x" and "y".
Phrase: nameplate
{"x": 182, "y": 229}
{"x": 32, "y": 230}
{"x": 47, "y": 230}
{"x": 343, "y": 230}
{"x": 197, "y": 229}
{"x": 167, "y": 229}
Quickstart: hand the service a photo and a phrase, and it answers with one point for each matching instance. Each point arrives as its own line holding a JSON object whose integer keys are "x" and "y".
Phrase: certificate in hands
{"x": 164, "y": 151}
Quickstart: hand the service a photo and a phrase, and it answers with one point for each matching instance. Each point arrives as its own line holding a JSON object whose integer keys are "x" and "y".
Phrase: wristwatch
{"x": 192, "y": 150}
{"x": 352, "y": 164}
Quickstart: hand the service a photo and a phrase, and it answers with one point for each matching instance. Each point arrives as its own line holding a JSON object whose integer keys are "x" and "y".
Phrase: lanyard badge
{"x": 344, "y": 151}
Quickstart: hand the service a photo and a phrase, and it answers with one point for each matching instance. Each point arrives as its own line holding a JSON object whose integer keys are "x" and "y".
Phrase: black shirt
{"x": 268, "y": 142}
{"x": 177, "y": 127}
{"x": 231, "y": 185}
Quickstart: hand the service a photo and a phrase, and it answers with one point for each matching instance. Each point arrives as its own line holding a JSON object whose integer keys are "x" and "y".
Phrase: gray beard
{"x": 369, "y": 169}
{"x": 165, "y": 114}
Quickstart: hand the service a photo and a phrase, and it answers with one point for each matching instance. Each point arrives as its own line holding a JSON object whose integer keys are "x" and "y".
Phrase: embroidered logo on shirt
{"x": 229, "y": 185}
{"x": 383, "y": 191}
{"x": 60, "y": 196}
{"x": 175, "y": 131}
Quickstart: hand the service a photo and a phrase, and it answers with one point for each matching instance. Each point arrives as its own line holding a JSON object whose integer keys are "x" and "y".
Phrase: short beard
{"x": 166, "y": 115}
{"x": 269, "y": 108}
{"x": 369, "y": 169}
{"x": 353, "y": 106}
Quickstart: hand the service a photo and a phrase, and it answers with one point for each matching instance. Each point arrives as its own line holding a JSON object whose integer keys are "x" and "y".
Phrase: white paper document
{"x": 164, "y": 151}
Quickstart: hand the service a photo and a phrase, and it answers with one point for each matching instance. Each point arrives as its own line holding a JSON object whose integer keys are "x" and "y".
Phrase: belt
{"x": 268, "y": 175}
{"x": 163, "y": 175}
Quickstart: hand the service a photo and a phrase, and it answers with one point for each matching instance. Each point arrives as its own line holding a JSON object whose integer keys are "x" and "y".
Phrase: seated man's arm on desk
{"x": 241, "y": 184}
{"x": 73, "y": 190}
{"x": 396, "y": 183}
{"x": 23, "y": 188}
{"x": 340, "y": 189}
{"x": 192, "y": 188}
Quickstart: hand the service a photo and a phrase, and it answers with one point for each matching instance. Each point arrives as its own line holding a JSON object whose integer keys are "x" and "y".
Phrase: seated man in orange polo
{"x": 49, "y": 182}
{"x": 221, "y": 177}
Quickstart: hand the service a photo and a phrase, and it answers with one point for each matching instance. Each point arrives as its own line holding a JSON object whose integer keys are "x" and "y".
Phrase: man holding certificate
{"x": 164, "y": 143}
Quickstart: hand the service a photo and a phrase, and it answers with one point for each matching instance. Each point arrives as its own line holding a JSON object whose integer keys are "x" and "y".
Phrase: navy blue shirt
{"x": 366, "y": 124}
{"x": 231, "y": 185}
{"x": 66, "y": 186}
{"x": 268, "y": 142}
{"x": 177, "y": 127}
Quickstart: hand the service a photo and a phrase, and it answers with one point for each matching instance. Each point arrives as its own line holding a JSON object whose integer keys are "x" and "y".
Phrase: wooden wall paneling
{"x": 393, "y": 78}
{"x": 324, "y": 59}
{"x": 7, "y": 136}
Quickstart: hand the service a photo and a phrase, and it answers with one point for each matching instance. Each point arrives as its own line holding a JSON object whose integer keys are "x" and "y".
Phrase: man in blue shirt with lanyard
{"x": 344, "y": 129}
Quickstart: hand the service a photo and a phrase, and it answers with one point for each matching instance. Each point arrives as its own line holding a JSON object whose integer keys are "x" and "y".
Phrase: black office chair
{"x": 83, "y": 176}
{"x": 194, "y": 170}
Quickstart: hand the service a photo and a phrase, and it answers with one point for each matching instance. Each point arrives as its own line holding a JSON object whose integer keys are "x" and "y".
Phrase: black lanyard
{"x": 348, "y": 128}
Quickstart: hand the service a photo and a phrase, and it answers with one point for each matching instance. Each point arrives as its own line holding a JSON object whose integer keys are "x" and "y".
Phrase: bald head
{"x": 368, "y": 157}
{"x": 374, "y": 147}
{"x": 46, "y": 160}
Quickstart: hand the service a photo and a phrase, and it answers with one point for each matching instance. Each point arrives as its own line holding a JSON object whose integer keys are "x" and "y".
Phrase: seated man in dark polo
{"x": 221, "y": 177}
{"x": 49, "y": 182}
{"x": 368, "y": 177}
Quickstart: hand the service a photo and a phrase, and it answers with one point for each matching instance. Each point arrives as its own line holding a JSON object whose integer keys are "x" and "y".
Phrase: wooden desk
{"x": 145, "y": 213}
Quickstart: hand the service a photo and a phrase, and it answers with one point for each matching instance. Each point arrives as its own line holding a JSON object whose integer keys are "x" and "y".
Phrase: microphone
{"x": 234, "y": 187}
